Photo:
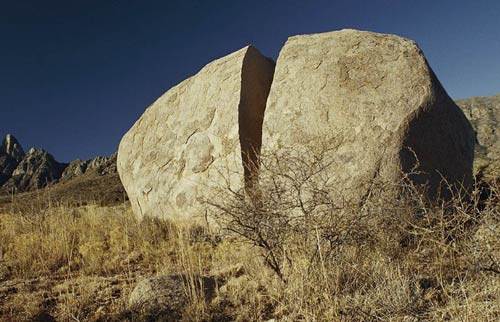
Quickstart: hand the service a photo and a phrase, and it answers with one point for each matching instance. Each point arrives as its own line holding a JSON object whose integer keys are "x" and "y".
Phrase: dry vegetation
{"x": 89, "y": 188}
{"x": 290, "y": 254}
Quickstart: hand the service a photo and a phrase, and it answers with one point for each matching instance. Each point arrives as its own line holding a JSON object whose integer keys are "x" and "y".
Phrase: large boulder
{"x": 372, "y": 102}
{"x": 484, "y": 114}
{"x": 197, "y": 135}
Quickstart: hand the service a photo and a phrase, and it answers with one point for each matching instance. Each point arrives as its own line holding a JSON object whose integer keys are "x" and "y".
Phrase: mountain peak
{"x": 21, "y": 172}
{"x": 11, "y": 147}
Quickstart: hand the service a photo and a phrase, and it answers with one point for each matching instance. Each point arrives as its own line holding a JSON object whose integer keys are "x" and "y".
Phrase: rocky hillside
{"x": 484, "y": 114}
{"x": 34, "y": 171}
{"x": 79, "y": 182}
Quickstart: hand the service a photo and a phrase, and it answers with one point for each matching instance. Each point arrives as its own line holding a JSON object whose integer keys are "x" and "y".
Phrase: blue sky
{"x": 75, "y": 75}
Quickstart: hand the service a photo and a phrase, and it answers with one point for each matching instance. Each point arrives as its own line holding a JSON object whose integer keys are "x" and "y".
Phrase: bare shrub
{"x": 291, "y": 201}
{"x": 396, "y": 254}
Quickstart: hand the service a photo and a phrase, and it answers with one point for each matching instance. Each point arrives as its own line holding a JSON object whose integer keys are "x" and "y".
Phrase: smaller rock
{"x": 164, "y": 298}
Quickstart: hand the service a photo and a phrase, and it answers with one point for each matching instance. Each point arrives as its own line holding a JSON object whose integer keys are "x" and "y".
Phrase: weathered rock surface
{"x": 102, "y": 165}
{"x": 373, "y": 100}
{"x": 165, "y": 298}
{"x": 11, "y": 153}
{"x": 36, "y": 170}
{"x": 107, "y": 167}
{"x": 11, "y": 147}
{"x": 78, "y": 167}
{"x": 93, "y": 181}
{"x": 484, "y": 114}
{"x": 195, "y": 136}
{"x": 7, "y": 166}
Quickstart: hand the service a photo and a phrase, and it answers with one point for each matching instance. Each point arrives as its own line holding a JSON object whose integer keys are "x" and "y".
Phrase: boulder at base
{"x": 194, "y": 136}
{"x": 372, "y": 101}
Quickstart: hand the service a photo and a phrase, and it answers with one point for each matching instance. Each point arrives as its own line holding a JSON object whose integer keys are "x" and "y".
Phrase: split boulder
{"x": 195, "y": 136}
{"x": 374, "y": 104}
{"x": 370, "y": 100}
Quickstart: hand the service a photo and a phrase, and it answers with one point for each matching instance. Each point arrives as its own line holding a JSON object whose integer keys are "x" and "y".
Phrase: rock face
{"x": 19, "y": 172}
{"x": 11, "y": 147}
{"x": 11, "y": 153}
{"x": 107, "y": 167}
{"x": 78, "y": 167}
{"x": 102, "y": 165}
{"x": 375, "y": 103}
{"x": 484, "y": 114}
{"x": 37, "y": 169}
{"x": 197, "y": 134}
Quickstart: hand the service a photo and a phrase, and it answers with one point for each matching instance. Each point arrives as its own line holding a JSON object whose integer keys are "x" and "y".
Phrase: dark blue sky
{"x": 75, "y": 75}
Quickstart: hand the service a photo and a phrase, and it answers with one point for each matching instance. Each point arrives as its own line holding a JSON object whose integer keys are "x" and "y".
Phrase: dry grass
{"x": 384, "y": 260}
{"x": 89, "y": 188}
{"x": 81, "y": 263}
{"x": 394, "y": 256}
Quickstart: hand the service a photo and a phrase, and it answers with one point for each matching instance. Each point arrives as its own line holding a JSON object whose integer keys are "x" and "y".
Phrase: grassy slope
{"x": 74, "y": 252}
{"x": 90, "y": 188}
{"x": 81, "y": 263}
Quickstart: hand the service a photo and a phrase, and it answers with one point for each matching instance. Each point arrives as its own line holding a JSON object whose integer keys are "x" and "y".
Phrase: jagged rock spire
{"x": 12, "y": 148}
{"x": 37, "y": 169}
{"x": 20, "y": 171}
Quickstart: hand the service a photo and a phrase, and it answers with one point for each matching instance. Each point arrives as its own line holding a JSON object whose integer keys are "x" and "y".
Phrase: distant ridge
{"x": 37, "y": 169}
{"x": 22, "y": 175}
